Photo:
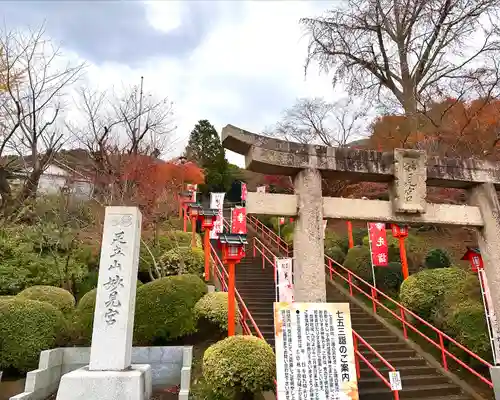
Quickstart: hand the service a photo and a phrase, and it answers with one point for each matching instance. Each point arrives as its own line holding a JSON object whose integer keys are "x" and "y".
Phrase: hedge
{"x": 389, "y": 278}
{"x": 59, "y": 298}
{"x": 26, "y": 328}
{"x": 336, "y": 253}
{"x": 239, "y": 365}
{"x": 437, "y": 258}
{"x": 82, "y": 320}
{"x": 183, "y": 260}
{"x": 212, "y": 308}
{"x": 424, "y": 291}
{"x": 164, "y": 308}
{"x": 358, "y": 260}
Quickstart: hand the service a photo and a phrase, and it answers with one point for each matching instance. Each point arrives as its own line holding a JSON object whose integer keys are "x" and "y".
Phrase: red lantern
{"x": 399, "y": 231}
{"x": 473, "y": 255}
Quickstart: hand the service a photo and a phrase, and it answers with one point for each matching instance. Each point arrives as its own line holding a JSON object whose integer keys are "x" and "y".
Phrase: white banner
{"x": 284, "y": 279}
{"x": 217, "y": 202}
{"x": 261, "y": 189}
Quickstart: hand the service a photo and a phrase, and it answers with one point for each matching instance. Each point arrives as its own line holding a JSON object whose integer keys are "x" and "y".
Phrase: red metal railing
{"x": 374, "y": 294}
{"x": 267, "y": 255}
{"x": 220, "y": 272}
{"x": 269, "y": 235}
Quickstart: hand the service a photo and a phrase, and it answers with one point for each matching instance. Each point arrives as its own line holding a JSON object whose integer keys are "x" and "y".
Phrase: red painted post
{"x": 231, "y": 302}
{"x": 402, "y": 312}
{"x": 443, "y": 352}
{"x": 193, "y": 232}
{"x": 349, "y": 233}
{"x": 356, "y": 357}
{"x": 374, "y": 296}
{"x": 185, "y": 218}
{"x": 207, "y": 254}
{"x": 349, "y": 278}
{"x": 330, "y": 269}
{"x": 404, "y": 261}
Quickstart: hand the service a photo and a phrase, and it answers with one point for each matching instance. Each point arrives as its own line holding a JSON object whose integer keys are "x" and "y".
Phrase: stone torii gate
{"x": 408, "y": 173}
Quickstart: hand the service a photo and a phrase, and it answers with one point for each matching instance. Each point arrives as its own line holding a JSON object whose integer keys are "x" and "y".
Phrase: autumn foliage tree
{"x": 450, "y": 128}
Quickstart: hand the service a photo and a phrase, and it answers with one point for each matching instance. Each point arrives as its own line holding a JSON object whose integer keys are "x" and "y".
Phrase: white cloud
{"x": 260, "y": 47}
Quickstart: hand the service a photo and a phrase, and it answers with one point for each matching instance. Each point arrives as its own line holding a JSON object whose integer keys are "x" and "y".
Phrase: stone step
{"x": 399, "y": 353}
{"x": 412, "y": 392}
{"x": 405, "y": 370}
{"x": 407, "y": 380}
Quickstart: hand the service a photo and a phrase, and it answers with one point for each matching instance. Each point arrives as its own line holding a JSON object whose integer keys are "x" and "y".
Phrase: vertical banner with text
{"x": 284, "y": 280}
{"x": 314, "y": 352}
{"x": 243, "y": 191}
{"x": 378, "y": 244}
{"x": 217, "y": 202}
{"x": 239, "y": 220}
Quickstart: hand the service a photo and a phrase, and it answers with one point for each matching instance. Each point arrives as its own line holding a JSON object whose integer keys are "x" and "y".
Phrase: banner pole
{"x": 371, "y": 255}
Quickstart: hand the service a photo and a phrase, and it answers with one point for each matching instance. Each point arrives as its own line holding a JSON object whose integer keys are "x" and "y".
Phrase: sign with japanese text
{"x": 314, "y": 351}
{"x": 244, "y": 191}
{"x": 239, "y": 220}
{"x": 284, "y": 279}
{"x": 261, "y": 189}
{"x": 217, "y": 202}
{"x": 395, "y": 380}
{"x": 116, "y": 289}
{"x": 378, "y": 244}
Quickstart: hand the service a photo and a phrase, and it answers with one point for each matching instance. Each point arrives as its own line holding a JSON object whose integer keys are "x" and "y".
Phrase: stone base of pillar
{"x": 495, "y": 378}
{"x": 82, "y": 384}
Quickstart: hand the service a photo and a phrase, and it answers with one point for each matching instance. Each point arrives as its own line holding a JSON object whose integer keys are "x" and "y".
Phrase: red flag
{"x": 239, "y": 220}
{"x": 291, "y": 220}
{"x": 282, "y": 220}
{"x": 378, "y": 243}
{"x": 243, "y": 191}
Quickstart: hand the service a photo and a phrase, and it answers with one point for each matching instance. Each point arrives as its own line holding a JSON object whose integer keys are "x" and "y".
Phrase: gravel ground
{"x": 158, "y": 394}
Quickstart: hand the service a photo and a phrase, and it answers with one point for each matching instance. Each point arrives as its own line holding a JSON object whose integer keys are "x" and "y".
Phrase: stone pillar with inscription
{"x": 110, "y": 374}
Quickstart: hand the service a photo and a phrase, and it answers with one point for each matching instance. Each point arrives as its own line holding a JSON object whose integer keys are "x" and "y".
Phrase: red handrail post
{"x": 403, "y": 320}
{"x": 356, "y": 357}
{"x": 231, "y": 302}
{"x": 207, "y": 254}
{"x": 349, "y": 278}
{"x": 254, "y": 248}
{"x": 443, "y": 351}
{"x": 330, "y": 269}
{"x": 185, "y": 219}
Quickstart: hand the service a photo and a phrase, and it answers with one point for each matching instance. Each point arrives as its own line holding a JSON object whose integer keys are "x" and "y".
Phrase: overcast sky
{"x": 231, "y": 62}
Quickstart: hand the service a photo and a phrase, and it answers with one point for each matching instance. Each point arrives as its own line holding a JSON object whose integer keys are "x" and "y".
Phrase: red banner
{"x": 239, "y": 220}
{"x": 243, "y": 191}
{"x": 378, "y": 244}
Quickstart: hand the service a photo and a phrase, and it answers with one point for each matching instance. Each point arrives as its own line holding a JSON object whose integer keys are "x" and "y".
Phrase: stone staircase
{"x": 420, "y": 380}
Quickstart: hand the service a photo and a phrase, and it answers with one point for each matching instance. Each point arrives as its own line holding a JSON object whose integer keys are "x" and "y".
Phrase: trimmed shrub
{"x": 336, "y": 254}
{"x": 358, "y": 260}
{"x": 239, "y": 365}
{"x": 59, "y": 298}
{"x": 424, "y": 291}
{"x": 26, "y": 328}
{"x": 212, "y": 308}
{"x": 358, "y": 234}
{"x": 437, "y": 258}
{"x": 183, "y": 260}
{"x": 466, "y": 323}
{"x": 164, "y": 308}
{"x": 389, "y": 278}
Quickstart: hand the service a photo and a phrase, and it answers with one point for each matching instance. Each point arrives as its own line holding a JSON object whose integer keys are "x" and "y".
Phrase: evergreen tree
{"x": 205, "y": 149}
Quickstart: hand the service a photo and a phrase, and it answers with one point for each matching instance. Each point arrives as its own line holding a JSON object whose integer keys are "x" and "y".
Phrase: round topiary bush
{"x": 336, "y": 254}
{"x": 424, "y": 291}
{"x": 437, "y": 258}
{"x": 389, "y": 278}
{"x": 26, "y": 328}
{"x": 212, "y": 308}
{"x": 183, "y": 260}
{"x": 239, "y": 366}
{"x": 164, "y": 308}
{"x": 358, "y": 260}
{"x": 59, "y": 298}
